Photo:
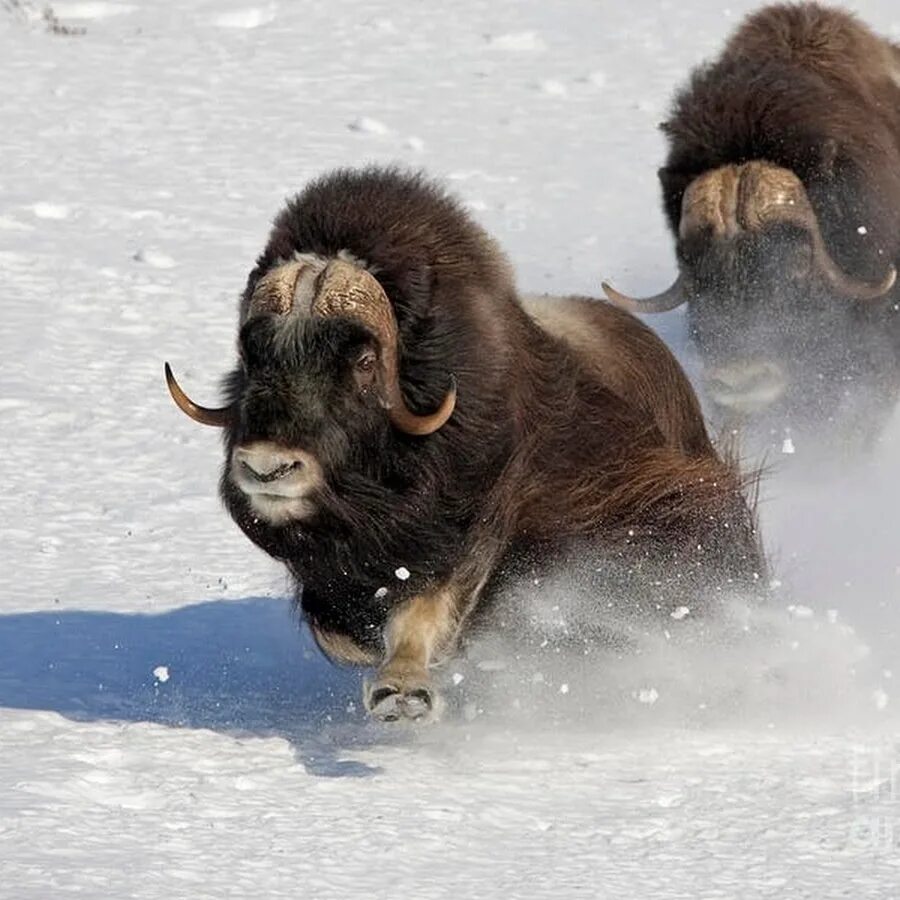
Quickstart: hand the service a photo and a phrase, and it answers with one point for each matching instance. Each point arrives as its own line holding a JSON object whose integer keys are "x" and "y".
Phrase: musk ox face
{"x": 308, "y": 405}
{"x": 767, "y": 329}
{"x": 780, "y": 347}
{"x": 318, "y": 391}
{"x": 770, "y": 310}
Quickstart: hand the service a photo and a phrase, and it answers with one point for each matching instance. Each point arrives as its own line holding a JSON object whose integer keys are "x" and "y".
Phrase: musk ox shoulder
{"x": 400, "y": 432}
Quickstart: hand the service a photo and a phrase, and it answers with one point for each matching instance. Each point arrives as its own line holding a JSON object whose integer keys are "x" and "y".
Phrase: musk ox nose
{"x": 266, "y": 463}
{"x": 267, "y": 475}
{"x": 745, "y": 386}
{"x": 263, "y": 467}
{"x": 280, "y": 483}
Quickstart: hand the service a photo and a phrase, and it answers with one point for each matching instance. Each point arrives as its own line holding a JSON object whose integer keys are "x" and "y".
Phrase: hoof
{"x": 389, "y": 702}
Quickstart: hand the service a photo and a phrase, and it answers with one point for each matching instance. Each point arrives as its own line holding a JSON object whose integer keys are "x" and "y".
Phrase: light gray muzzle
{"x": 278, "y": 481}
{"x": 745, "y": 386}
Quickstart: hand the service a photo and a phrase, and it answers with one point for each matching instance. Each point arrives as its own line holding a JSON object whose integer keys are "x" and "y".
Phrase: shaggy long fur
{"x": 630, "y": 360}
{"x": 811, "y": 89}
{"x": 549, "y": 441}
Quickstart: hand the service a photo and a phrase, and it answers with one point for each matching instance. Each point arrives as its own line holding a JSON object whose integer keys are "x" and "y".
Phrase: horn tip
{"x": 172, "y": 382}
{"x": 617, "y": 299}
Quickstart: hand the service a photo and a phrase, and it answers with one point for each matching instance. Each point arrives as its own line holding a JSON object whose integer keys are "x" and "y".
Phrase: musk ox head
{"x": 769, "y": 308}
{"x": 318, "y": 386}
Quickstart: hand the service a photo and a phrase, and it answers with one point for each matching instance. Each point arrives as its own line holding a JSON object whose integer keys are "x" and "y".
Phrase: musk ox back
{"x": 401, "y": 433}
{"x": 782, "y": 188}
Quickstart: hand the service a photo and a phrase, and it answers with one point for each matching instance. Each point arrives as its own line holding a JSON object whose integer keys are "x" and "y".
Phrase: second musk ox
{"x": 400, "y": 432}
{"x": 782, "y": 188}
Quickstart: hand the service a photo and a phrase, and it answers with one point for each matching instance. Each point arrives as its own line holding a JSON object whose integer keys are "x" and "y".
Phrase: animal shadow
{"x": 240, "y": 667}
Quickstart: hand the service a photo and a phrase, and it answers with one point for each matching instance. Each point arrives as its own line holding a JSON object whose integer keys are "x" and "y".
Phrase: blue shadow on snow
{"x": 235, "y": 666}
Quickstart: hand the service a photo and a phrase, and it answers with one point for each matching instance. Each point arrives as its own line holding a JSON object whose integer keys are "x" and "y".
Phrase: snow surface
{"x": 141, "y": 164}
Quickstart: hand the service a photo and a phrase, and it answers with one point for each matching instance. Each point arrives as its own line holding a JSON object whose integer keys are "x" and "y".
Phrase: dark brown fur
{"x": 630, "y": 360}
{"x": 813, "y": 90}
{"x": 598, "y": 441}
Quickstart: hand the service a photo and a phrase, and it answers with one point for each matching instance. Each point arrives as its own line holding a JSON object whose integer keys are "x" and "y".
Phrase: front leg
{"x": 420, "y": 633}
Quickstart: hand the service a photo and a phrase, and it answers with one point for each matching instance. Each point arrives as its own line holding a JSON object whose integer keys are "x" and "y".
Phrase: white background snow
{"x": 164, "y": 731}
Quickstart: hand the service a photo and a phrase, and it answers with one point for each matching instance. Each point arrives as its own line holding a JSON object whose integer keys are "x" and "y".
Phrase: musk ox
{"x": 782, "y": 189}
{"x": 400, "y": 432}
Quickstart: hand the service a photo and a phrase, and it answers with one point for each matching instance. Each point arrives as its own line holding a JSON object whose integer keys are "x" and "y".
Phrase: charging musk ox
{"x": 782, "y": 188}
{"x": 399, "y": 429}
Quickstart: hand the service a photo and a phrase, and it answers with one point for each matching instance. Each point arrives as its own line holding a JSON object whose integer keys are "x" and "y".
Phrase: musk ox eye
{"x": 364, "y": 370}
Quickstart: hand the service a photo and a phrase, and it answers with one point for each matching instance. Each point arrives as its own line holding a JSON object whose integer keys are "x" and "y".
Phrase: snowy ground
{"x": 164, "y": 732}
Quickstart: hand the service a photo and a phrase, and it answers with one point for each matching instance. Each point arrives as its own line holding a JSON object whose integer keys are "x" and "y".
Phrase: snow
{"x": 154, "y": 258}
{"x": 161, "y": 674}
{"x": 249, "y": 17}
{"x": 520, "y": 41}
{"x": 96, "y": 10}
{"x": 553, "y": 88}
{"x": 50, "y": 211}
{"x": 368, "y": 125}
{"x": 142, "y": 164}
{"x": 798, "y": 611}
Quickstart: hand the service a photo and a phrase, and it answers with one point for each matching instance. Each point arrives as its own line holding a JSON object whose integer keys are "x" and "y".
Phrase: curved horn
{"x": 409, "y": 422}
{"x": 219, "y": 418}
{"x": 848, "y": 285}
{"x": 668, "y": 299}
{"x": 771, "y": 194}
{"x": 345, "y": 290}
{"x": 708, "y": 202}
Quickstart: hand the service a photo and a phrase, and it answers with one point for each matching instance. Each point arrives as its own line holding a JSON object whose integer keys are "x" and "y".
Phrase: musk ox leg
{"x": 419, "y": 634}
{"x": 341, "y": 649}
